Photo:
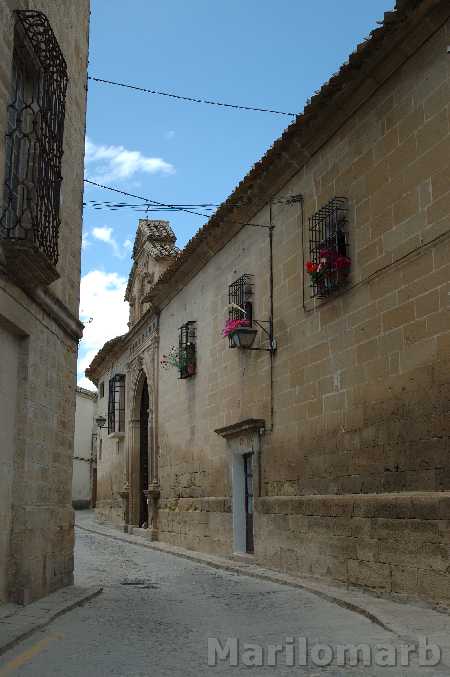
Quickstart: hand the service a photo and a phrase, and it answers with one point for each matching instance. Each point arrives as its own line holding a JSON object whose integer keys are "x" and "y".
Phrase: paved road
{"x": 157, "y": 612}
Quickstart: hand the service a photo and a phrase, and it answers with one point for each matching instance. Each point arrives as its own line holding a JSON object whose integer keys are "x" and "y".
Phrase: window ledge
{"x": 116, "y": 436}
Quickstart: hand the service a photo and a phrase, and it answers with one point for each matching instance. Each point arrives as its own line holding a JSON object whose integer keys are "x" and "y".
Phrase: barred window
{"x": 187, "y": 350}
{"x": 116, "y": 404}
{"x": 329, "y": 264}
{"x": 34, "y": 137}
{"x": 239, "y": 294}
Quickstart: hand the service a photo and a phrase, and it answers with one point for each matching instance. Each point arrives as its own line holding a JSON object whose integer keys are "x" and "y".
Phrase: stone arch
{"x": 137, "y": 385}
{"x": 140, "y": 378}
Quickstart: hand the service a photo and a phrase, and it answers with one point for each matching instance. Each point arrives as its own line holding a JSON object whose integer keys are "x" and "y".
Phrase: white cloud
{"x": 112, "y": 163}
{"x": 86, "y": 384}
{"x": 105, "y": 234}
{"x": 104, "y": 313}
{"x": 85, "y": 242}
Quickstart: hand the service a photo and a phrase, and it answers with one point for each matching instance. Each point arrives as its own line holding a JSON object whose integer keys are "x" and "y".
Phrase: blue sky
{"x": 256, "y": 53}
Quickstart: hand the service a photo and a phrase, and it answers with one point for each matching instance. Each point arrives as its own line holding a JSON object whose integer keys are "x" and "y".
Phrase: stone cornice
{"x": 59, "y": 312}
{"x": 249, "y": 425}
{"x": 52, "y": 306}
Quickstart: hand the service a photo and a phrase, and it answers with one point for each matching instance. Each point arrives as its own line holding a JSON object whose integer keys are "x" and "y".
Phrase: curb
{"x": 253, "y": 571}
{"x": 37, "y": 615}
{"x": 407, "y": 619}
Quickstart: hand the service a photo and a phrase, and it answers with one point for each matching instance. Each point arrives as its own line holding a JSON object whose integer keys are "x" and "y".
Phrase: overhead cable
{"x": 154, "y": 203}
{"x": 189, "y": 98}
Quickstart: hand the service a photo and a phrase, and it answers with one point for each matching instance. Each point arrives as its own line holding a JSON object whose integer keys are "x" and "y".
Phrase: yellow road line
{"x": 27, "y": 655}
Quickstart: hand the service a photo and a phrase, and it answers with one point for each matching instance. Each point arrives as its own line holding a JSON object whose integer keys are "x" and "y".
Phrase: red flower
{"x": 311, "y": 267}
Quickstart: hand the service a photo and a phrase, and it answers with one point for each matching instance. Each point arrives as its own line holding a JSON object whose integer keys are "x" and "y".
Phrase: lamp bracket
{"x": 272, "y": 340}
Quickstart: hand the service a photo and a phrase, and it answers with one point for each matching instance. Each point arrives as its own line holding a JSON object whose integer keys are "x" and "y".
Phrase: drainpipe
{"x": 272, "y": 352}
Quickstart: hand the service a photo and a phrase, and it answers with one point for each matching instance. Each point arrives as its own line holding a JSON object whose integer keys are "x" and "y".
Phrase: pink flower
{"x": 232, "y": 325}
{"x": 343, "y": 262}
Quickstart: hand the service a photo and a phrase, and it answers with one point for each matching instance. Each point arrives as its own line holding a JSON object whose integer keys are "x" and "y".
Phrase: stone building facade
{"x": 326, "y": 451}
{"x": 43, "y": 52}
{"x": 127, "y": 372}
{"x": 84, "y": 475}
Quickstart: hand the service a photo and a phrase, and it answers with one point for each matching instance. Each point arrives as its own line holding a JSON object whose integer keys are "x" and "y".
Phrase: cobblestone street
{"x": 157, "y": 612}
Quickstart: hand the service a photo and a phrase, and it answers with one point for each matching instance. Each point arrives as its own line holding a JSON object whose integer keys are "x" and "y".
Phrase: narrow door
{"x": 143, "y": 517}
{"x": 248, "y": 472}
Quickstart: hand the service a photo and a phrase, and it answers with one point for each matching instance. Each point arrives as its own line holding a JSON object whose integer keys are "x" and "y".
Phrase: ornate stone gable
{"x": 154, "y": 249}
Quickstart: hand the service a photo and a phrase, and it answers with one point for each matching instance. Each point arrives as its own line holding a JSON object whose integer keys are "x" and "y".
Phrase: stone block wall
{"x": 390, "y": 543}
{"x": 360, "y": 381}
{"x": 84, "y": 446}
{"x": 40, "y": 553}
{"x": 197, "y": 524}
{"x": 37, "y": 551}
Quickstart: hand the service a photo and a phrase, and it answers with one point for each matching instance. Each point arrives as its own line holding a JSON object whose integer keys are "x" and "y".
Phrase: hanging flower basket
{"x": 231, "y": 326}
{"x": 182, "y": 361}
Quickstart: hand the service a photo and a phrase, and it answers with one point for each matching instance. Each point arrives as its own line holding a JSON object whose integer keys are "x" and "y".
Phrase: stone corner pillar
{"x": 124, "y": 495}
{"x": 152, "y": 494}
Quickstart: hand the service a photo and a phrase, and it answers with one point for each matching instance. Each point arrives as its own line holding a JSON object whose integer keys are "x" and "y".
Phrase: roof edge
{"x": 303, "y": 138}
{"x": 109, "y": 349}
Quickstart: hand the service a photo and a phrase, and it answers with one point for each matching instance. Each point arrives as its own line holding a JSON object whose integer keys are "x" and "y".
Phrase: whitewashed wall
{"x": 83, "y": 458}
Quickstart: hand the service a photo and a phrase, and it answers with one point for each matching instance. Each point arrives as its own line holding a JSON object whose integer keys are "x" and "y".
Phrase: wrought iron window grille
{"x": 116, "y": 404}
{"x": 187, "y": 350}
{"x": 30, "y": 219}
{"x": 239, "y": 293}
{"x": 328, "y": 245}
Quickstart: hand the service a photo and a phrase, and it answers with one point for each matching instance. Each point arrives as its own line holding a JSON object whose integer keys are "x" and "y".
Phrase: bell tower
{"x": 154, "y": 249}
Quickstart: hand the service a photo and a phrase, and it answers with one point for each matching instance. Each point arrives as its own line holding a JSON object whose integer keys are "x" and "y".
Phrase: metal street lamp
{"x": 244, "y": 337}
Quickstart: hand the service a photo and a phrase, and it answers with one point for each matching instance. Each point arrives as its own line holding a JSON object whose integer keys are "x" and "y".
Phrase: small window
{"x": 116, "y": 404}
{"x": 187, "y": 350}
{"x": 329, "y": 264}
{"x": 101, "y": 389}
{"x": 239, "y": 294}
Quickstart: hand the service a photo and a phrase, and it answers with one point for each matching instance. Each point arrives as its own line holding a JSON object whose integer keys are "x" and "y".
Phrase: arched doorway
{"x": 143, "y": 456}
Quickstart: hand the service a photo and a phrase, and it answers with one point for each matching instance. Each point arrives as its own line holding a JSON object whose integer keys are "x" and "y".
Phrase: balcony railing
{"x": 30, "y": 218}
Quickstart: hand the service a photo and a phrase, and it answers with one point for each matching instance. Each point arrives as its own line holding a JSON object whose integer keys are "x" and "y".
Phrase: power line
{"x": 189, "y": 98}
{"x": 108, "y": 203}
{"x": 154, "y": 203}
{"x": 143, "y": 207}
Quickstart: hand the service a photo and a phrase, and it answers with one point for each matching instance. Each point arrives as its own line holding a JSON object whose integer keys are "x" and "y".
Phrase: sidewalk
{"x": 19, "y": 622}
{"x": 409, "y": 620}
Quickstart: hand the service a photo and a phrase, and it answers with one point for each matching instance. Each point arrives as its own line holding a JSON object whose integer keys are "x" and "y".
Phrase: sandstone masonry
{"x": 346, "y": 424}
{"x": 39, "y": 329}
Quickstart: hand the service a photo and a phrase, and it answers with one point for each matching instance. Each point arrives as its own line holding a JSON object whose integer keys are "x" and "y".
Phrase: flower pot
{"x": 243, "y": 337}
